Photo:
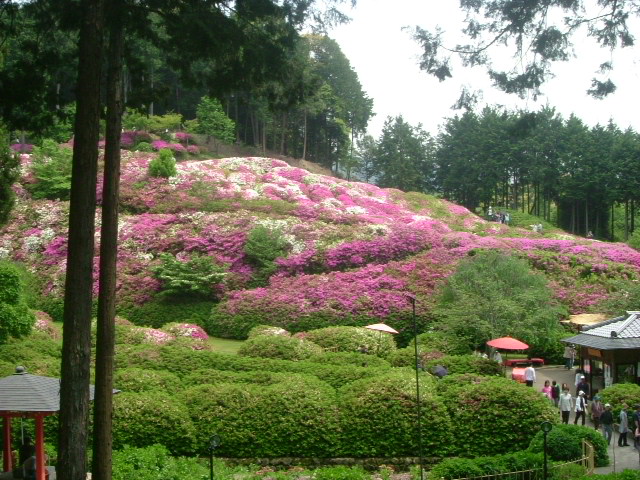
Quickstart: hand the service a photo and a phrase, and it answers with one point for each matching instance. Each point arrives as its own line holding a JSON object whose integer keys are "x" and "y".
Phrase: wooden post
{"x": 40, "y": 464}
{"x": 6, "y": 451}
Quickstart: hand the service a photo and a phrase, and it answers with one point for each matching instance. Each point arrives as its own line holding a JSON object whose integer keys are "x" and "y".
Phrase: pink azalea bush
{"x": 353, "y": 250}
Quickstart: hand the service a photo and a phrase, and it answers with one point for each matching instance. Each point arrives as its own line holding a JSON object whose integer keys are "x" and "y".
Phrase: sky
{"x": 386, "y": 60}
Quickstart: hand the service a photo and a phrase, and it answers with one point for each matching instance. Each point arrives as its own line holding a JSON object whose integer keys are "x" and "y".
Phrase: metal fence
{"x": 587, "y": 461}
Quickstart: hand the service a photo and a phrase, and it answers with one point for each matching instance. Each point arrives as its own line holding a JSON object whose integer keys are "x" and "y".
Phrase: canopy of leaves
{"x": 538, "y": 33}
{"x": 16, "y": 319}
{"x": 197, "y": 276}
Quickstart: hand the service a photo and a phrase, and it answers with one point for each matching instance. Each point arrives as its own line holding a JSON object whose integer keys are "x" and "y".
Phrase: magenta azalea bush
{"x": 354, "y": 251}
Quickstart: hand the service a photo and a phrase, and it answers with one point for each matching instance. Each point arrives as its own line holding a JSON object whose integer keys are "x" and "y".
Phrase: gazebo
{"x": 32, "y": 396}
{"x": 610, "y": 350}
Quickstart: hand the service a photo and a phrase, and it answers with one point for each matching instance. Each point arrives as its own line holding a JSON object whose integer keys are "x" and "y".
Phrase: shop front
{"x": 610, "y": 351}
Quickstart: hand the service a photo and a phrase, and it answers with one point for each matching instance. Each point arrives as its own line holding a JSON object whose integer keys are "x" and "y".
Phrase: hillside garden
{"x": 294, "y": 264}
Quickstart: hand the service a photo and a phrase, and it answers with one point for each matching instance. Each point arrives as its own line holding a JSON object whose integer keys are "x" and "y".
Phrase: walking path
{"x": 621, "y": 458}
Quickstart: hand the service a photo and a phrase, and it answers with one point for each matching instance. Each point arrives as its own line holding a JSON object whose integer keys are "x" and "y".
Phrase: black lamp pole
{"x": 214, "y": 442}
{"x": 418, "y": 407}
{"x": 546, "y": 428}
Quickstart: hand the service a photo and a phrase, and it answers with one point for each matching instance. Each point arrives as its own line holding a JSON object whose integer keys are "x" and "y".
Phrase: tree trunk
{"x": 105, "y": 340}
{"x": 76, "y": 342}
{"x": 633, "y": 216}
{"x": 626, "y": 220}
{"x": 613, "y": 215}
{"x": 586, "y": 217}
{"x": 304, "y": 141}
{"x": 283, "y": 133}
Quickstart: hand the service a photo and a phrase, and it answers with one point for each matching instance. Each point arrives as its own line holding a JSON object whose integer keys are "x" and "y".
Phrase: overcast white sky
{"x": 386, "y": 61}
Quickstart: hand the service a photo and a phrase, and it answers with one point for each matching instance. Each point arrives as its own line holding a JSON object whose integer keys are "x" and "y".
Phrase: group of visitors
{"x": 500, "y": 217}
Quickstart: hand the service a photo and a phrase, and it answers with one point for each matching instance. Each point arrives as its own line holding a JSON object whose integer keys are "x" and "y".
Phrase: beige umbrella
{"x": 381, "y": 327}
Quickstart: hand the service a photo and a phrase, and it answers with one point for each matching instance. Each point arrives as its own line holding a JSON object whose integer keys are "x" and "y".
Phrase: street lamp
{"x": 418, "y": 407}
{"x": 214, "y": 442}
{"x": 546, "y": 428}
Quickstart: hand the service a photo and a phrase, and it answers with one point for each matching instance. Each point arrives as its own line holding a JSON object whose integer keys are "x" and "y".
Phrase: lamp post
{"x": 214, "y": 442}
{"x": 546, "y": 428}
{"x": 418, "y": 407}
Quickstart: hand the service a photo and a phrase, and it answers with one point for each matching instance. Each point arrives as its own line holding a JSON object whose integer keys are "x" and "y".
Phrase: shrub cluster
{"x": 353, "y": 339}
{"x": 620, "y": 393}
{"x": 564, "y": 443}
{"x": 466, "y": 364}
{"x": 164, "y": 165}
{"x": 453, "y": 468}
{"x": 279, "y": 346}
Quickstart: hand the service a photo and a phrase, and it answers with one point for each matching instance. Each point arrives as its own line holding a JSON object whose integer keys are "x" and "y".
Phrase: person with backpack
{"x": 596, "y": 411}
{"x": 555, "y": 393}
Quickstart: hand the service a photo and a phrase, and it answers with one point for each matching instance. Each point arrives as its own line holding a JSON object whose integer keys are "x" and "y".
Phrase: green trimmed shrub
{"x": 51, "y": 165}
{"x": 285, "y": 348}
{"x": 344, "y": 358}
{"x": 406, "y": 357}
{"x": 295, "y": 417}
{"x": 214, "y": 377}
{"x": 161, "y": 311}
{"x": 352, "y": 339}
{"x": 466, "y": 364}
{"x": 164, "y": 165}
{"x": 144, "y": 147}
{"x": 16, "y": 320}
{"x": 441, "y": 342}
{"x": 267, "y": 330}
{"x": 378, "y": 417}
{"x": 451, "y": 385}
{"x": 564, "y": 443}
{"x": 453, "y": 468}
{"x": 155, "y": 463}
{"x": 620, "y": 393}
{"x": 498, "y": 416}
{"x": 142, "y": 380}
{"x": 143, "y": 419}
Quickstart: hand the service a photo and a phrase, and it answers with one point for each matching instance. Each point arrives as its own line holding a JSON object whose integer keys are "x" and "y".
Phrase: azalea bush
{"x": 163, "y": 310}
{"x": 498, "y": 416}
{"x": 278, "y": 346}
{"x": 141, "y": 380}
{"x": 155, "y": 462}
{"x": 466, "y": 364}
{"x": 620, "y": 393}
{"x": 352, "y": 339}
{"x": 564, "y": 443}
{"x": 454, "y": 468}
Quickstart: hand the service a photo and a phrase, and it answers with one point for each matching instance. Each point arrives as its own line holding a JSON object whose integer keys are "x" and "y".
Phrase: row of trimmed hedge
{"x": 262, "y": 413}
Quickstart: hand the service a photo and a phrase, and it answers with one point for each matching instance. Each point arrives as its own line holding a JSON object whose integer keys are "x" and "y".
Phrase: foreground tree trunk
{"x": 105, "y": 341}
{"x": 76, "y": 344}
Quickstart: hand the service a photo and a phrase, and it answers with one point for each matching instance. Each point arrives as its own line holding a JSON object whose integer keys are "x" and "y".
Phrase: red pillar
{"x": 40, "y": 447}
{"x": 6, "y": 437}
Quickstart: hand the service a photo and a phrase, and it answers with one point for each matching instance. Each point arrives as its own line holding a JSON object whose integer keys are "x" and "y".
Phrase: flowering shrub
{"x": 186, "y": 330}
{"x": 279, "y": 346}
{"x": 22, "y": 147}
{"x": 353, "y": 339}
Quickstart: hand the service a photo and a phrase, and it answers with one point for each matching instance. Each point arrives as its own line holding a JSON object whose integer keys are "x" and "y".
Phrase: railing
{"x": 587, "y": 461}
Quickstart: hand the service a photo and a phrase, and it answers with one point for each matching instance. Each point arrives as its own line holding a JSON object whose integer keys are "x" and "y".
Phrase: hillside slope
{"x": 353, "y": 251}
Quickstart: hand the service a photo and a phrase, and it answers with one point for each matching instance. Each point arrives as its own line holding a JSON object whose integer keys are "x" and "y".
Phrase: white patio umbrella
{"x": 381, "y": 327}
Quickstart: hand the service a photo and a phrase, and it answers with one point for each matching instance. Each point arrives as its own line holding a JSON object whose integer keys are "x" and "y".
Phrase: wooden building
{"x": 609, "y": 351}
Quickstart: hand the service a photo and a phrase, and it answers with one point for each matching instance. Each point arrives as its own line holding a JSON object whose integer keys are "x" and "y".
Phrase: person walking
{"x": 548, "y": 392}
{"x": 607, "y": 423}
{"x": 623, "y": 427}
{"x": 565, "y": 404}
{"x": 567, "y": 357}
{"x": 636, "y": 426}
{"x": 581, "y": 408}
{"x": 583, "y": 386}
{"x": 596, "y": 411}
{"x": 530, "y": 375}
{"x": 555, "y": 393}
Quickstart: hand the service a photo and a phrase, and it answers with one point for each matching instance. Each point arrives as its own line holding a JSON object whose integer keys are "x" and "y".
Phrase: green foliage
{"x": 262, "y": 247}
{"x": 498, "y": 416}
{"x": 441, "y": 342}
{"x": 267, "y": 330}
{"x": 453, "y": 468}
{"x": 135, "y": 120}
{"x": 144, "y": 147}
{"x": 155, "y": 463}
{"x": 624, "y": 296}
{"x": 9, "y": 173}
{"x": 451, "y": 385}
{"x": 346, "y": 358}
{"x": 353, "y": 339}
{"x": 16, "y": 320}
{"x": 197, "y": 277}
{"x": 162, "y": 123}
{"x": 278, "y": 346}
{"x": 494, "y": 295}
{"x": 162, "y": 310}
{"x": 620, "y": 393}
{"x": 213, "y": 121}
{"x": 466, "y": 364}
{"x": 378, "y": 417}
{"x": 564, "y": 442}
{"x": 274, "y": 420}
{"x": 141, "y": 380}
{"x": 164, "y": 165}
{"x": 61, "y": 129}
{"x": 341, "y": 473}
{"x": 51, "y": 165}
{"x": 143, "y": 419}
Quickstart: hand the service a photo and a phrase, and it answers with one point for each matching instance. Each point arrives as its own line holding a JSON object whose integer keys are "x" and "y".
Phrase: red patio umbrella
{"x": 507, "y": 343}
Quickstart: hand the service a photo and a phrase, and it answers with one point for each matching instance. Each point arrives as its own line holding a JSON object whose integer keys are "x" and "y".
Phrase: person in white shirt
{"x": 530, "y": 375}
{"x": 497, "y": 357}
{"x": 581, "y": 407}
{"x": 565, "y": 404}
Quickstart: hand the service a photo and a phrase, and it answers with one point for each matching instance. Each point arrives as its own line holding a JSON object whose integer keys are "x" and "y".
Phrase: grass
{"x": 225, "y": 345}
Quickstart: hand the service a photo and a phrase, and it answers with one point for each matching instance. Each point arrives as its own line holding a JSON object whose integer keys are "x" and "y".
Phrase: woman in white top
{"x": 565, "y": 405}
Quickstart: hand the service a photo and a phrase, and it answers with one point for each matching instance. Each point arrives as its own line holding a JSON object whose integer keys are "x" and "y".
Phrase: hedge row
{"x": 262, "y": 413}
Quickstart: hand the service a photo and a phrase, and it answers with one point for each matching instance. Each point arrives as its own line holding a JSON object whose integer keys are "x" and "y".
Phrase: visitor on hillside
{"x": 596, "y": 411}
{"x": 530, "y": 375}
{"x": 565, "y": 404}
{"x": 555, "y": 393}
{"x": 581, "y": 408}
{"x": 607, "y": 423}
{"x": 623, "y": 427}
{"x": 548, "y": 392}
{"x": 497, "y": 357}
{"x": 507, "y": 218}
{"x": 590, "y": 234}
{"x": 584, "y": 387}
{"x": 636, "y": 425}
